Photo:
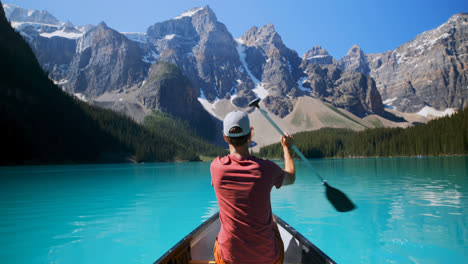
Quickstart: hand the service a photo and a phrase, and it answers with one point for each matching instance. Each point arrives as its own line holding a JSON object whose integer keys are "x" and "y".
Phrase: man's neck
{"x": 240, "y": 152}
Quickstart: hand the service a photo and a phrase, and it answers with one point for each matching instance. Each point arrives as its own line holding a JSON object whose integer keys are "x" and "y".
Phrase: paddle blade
{"x": 338, "y": 199}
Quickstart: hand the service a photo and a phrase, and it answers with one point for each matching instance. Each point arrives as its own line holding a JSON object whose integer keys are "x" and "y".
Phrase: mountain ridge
{"x": 227, "y": 73}
{"x": 45, "y": 125}
{"x": 430, "y": 70}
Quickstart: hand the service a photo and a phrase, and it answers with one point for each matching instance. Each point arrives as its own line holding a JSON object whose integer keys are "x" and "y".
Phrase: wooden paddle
{"x": 337, "y": 198}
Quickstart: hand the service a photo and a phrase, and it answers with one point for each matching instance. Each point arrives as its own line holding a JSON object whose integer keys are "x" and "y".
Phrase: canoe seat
{"x": 202, "y": 262}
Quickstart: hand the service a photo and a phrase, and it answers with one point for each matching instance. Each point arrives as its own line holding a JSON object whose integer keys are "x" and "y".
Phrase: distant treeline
{"x": 42, "y": 124}
{"x": 180, "y": 131}
{"x": 442, "y": 136}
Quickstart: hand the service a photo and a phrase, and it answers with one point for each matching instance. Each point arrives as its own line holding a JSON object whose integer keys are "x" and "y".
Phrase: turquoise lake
{"x": 410, "y": 210}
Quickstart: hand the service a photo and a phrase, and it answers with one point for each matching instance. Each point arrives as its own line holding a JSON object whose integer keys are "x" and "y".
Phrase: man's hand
{"x": 289, "y": 169}
{"x": 286, "y": 140}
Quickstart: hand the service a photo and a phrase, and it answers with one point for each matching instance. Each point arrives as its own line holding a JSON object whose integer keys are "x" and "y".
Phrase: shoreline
{"x": 202, "y": 159}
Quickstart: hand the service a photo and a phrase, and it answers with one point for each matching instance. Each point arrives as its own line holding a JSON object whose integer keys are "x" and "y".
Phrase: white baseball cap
{"x": 236, "y": 119}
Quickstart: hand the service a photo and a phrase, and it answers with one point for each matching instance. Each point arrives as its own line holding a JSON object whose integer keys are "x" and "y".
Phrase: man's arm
{"x": 289, "y": 169}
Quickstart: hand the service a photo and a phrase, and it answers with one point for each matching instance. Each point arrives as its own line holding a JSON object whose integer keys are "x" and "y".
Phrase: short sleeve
{"x": 211, "y": 171}
{"x": 277, "y": 173}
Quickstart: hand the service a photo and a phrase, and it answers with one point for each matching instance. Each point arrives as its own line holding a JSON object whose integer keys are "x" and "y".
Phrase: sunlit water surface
{"x": 410, "y": 210}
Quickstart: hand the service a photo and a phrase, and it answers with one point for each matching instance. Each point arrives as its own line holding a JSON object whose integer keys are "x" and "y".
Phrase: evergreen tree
{"x": 442, "y": 136}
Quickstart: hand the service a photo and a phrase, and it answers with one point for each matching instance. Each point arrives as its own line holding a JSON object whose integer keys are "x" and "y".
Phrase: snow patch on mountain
{"x": 430, "y": 111}
{"x": 82, "y": 45}
{"x": 317, "y": 57}
{"x": 151, "y": 57}
{"x": 169, "y": 37}
{"x": 234, "y": 92}
{"x": 259, "y": 89}
{"x": 9, "y": 8}
{"x": 19, "y": 14}
{"x": 64, "y": 33}
{"x": 42, "y": 22}
{"x": 239, "y": 40}
{"x": 81, "y": 97}
{"x": 189, "y": 13}
{"x": 388, "y": 103}
{"x": 300, "y": 84}
{"x": 61, "y": 83}
{"x": 209, "y": 107}
{"x": 36, "y": 26}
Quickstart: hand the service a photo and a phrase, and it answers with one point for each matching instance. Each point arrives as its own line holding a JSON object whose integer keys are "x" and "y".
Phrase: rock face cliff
{"x": 168, "y": 90}
{"x": 431, "y": 70}
{"x": 104, "y": 60}
{"x": 203, "y": 49}
{"x": 318, "y": 55}
{"x": 278, "y": 66}
{"x": 273, "y": 67}
{"x": 355, "y": 60}
{"x": 98, "y": 62}
{"x": 56, "y": 63}
{"x": 256, "y": 65}
{"x": 52, "y": 41}
{"x": 19, "y": 14}
{"x": 349, "y": 90}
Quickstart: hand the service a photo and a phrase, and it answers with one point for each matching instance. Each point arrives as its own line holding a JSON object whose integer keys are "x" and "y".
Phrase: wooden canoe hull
{"x": 197, "y": 247}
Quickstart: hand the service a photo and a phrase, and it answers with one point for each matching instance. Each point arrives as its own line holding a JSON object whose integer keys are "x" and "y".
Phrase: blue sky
{"x": 376, "y": 26}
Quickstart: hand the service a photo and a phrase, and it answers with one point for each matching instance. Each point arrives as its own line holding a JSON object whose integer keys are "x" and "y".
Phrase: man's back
{"x": 243, "y": 187}
{"x": 243, "y": 184}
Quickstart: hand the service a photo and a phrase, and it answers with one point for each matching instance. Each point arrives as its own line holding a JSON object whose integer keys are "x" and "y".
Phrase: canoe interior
{"x": 197, "y": 247}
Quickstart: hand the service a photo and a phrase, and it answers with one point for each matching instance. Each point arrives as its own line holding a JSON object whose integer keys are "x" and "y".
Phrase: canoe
{"x": 197, "y": 247}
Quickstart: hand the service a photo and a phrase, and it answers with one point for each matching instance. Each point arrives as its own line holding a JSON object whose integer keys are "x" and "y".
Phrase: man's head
{"x": 236, "y": 128}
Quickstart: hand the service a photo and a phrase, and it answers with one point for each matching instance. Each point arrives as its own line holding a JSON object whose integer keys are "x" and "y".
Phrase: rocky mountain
{"x": 98, "y": 60}
{"x": 123, "y": 71}
{"x": 104, "y": 60}
{"x": 111, "y": 69}
{"x": 273, "y": 67}
{"x": 352, "y": 91}
{"x": 52, "y": 41}
{"x": 431, "y": 70}
{"x": 168, "y": 90}
{"x": 43, "y": 125}
{"x": 318, "y": 55}
{"x": 204, "y": 50}
{"x": 355, "y": 60}
{"x": 19, "y": 14}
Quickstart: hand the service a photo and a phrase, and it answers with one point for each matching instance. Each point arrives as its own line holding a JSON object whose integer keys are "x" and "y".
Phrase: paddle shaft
{"x": 264, "y": 113}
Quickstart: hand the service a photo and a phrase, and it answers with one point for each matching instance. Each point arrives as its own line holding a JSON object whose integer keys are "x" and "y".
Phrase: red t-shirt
{"x": 242, "y": 187}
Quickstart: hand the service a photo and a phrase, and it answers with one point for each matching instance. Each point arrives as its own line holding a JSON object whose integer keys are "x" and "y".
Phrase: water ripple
{"x": 409, "y": 210}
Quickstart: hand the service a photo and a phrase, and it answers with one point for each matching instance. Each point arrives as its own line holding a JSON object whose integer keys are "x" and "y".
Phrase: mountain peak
{"x": 19, "y": 14}
{"x": 457, "y": 19}
{"x": 355, "y": 50}
{"x": 318, "y": 50}
{"x": 193, "y": 11}
{"x": 318, "y": 55}
{"x": 102, "y": 24}
{"x": 268, "y": 30}
{"x": 269, "y": 27}
{"x": 263, "y": 35}
{"x": 460, "y": 15}
{"x": 9, "y": 8}
{"x": 355, "y": 60}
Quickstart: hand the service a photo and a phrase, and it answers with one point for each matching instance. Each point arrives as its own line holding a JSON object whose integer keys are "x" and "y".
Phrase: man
{"x": 242, "y": 185}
